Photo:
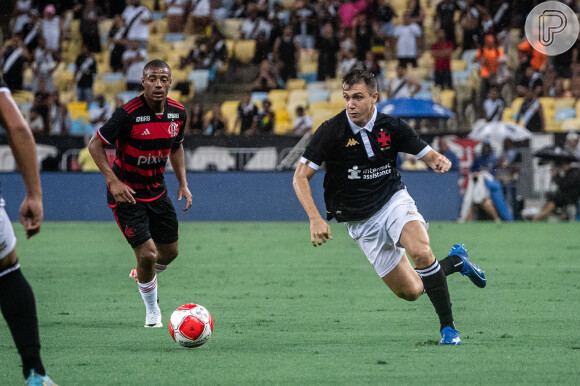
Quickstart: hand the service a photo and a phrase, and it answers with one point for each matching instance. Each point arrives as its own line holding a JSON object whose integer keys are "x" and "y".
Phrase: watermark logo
{"x": 552, "y": 28}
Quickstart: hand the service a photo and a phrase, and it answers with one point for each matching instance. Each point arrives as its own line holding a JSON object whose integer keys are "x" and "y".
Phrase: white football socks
{"x": 149, "y": 294}
{"x": 160, "y": 268}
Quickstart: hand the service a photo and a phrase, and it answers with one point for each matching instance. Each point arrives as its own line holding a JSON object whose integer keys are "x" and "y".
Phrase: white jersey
{"x": 51, "y": 33}
{"x": 138, "y": 30}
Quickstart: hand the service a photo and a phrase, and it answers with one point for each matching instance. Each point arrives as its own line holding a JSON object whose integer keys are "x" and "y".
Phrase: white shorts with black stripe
{"x": 7, "y": 238}
{"x": 379, "y": 235}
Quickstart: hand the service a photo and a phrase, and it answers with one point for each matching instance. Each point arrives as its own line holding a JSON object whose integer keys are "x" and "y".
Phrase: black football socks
{"x": 435, "y": 284}
{"x": 451, "y": 264}
{"x": 19, "y": 310}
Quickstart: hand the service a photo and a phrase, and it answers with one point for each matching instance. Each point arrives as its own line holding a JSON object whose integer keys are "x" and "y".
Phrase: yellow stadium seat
{"x": 231, "y": 28}
{"x": 295, "y": 84}
{"x": 548, "y": 102}
{"x": 507, "y": 115}
{"x": 315, "y": 106}
{"x": 230, "y": 45}
{"x": 448, "y": 98}
{"x": 278, "y": 96}
{"x": 298, "y": 96}
{"x": 572, "y": 124}
{"x": 458, "y": 65}
{"x": 336, "y": 96}
{"x": 334, "y": 84}
{"x": 564, "y": 103}
{"x": 245, "y": 50}
{"x": 230, "y": 111}
{"x": 516, "y": 104}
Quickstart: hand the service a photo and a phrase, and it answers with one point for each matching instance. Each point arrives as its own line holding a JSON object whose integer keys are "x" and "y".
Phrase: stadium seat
{"x": 460, "y": 77}
{"x": 295, "y": 84}
{"x": 458, "y": 65}
{"x": 298, "y": 97}
{"x": 508, "y": 115}
{"x": 230, "y": 45}
{"x": 319, "y": 105}
{"x": 564, "y": 103}
{"x": 308, "y": 76}
{"x": 280, "y": 96}
{"x": 448, "y": 99}
{"x": 572, "y": 124}
{"x": 516, "y": 104}
{"x": 424, "y": 94}
{"x": 171, "y": 37}
{"x": 200, "y": 79}
{"x": 259, "y": 96}
{"x": 334, "y": 84}
{"x": 468, "y": 56}
{"x": 336, "y": 96}
{"x": 563, "y": 114}
{"x": 318, "y": 85}
{"x": 245, "y": 50}
{"x": 77, "y": 127}
{"x": 319, "y": 96}
{"x": 231, "y": 28}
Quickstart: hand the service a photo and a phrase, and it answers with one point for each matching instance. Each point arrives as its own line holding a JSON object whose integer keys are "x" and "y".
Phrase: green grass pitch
{"x": 288, "y": 313}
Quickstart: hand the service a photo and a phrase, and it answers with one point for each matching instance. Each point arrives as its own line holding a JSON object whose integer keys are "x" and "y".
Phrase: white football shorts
{"x": 7, "y": 238}
{"x": 379, "y": 235}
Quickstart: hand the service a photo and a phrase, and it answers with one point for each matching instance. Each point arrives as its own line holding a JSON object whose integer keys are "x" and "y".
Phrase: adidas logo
{"x": 146, "y": 132}
{"x": 352, "y": 142}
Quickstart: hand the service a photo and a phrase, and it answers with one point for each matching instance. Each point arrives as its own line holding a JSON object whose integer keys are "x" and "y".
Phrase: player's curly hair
{"x": 156, "y": 63}
{"x": 359, "y": 74}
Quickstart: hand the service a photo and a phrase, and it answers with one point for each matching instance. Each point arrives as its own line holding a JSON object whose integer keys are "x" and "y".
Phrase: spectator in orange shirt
{"x": 527, "y": 54}
{"x": 489, "y": 56}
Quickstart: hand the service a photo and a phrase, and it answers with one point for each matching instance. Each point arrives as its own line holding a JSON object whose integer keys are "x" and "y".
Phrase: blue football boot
{"x": 449, "y": 335}
{"x": 473, "y": 272}
{"x": 35, "y": 379}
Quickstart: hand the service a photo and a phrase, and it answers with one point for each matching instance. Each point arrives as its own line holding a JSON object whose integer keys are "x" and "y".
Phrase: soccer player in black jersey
{"x": 147, "y": 130}
{"x": 16, "y": 296}
{"x": 363, "y": 189}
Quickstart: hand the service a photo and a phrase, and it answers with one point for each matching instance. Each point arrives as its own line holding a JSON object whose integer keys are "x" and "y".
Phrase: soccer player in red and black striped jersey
{"x": 147, "y": 130}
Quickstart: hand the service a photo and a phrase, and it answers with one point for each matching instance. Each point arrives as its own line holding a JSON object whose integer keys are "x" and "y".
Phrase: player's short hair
{"x": 359, "y": 74}
{"x": 156, "y": 63}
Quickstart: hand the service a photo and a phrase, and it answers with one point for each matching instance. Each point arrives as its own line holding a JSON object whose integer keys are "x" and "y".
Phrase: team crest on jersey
{"x": 173, "y": 129}
{"x": 384, "y": 139}
{"x": 351, "y": 142}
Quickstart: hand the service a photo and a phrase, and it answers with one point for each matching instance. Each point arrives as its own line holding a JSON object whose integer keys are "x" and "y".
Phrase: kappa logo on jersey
{"x": 173, "y": 129}
{"x": 351, "y": 142}
{"x": 354, "y": 173}
{"x": 145, "y": 118}
{"x": 172, "y": 115}
{"x": 146, "y": 132}
{"x": 151, "y": 159}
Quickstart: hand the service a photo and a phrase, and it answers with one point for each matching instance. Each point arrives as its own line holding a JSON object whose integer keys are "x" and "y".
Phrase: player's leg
{"x": 164, "y": 229}
{"x": 146, "y": 254}
{"x": 17, "y": 303}
{"x": 133, "y": 220}
{"x": 404, "y": 281}
{"x": 415, "y": 240}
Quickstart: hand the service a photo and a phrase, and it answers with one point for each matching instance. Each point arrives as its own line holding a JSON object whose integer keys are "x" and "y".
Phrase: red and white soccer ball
{"x": 191, "y": 325}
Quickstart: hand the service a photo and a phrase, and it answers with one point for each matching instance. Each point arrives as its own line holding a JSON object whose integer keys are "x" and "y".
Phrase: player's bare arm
{"x": 119, "y": 190}
{"x": 436, "y": 161}
{"x": 176, "y": 158}
{"x": 23, "y": 148}
{"x": 319, "y": 228}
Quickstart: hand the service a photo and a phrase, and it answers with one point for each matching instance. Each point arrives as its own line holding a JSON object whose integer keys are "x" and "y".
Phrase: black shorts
{"x": 142, "y": 221}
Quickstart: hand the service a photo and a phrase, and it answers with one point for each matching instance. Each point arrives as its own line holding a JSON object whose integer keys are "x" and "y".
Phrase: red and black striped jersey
{"x": 144, "y": 140}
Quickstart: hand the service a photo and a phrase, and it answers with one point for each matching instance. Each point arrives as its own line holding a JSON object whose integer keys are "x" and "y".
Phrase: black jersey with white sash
{"x": 356, "y": 186}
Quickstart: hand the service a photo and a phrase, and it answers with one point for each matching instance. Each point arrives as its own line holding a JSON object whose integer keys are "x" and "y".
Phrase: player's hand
{"x": 184, "y": 192}
{"x": 319, "y": 232}
{"x": 440, "y": 163}
{"x": 31, "y": 214}
{"x": 122, "y": 192}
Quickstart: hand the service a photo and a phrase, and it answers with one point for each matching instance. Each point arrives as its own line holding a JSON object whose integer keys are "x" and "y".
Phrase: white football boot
{"x": 153, "y": 319}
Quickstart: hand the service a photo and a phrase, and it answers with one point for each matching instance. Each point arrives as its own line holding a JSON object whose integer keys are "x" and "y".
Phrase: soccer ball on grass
{"x": 191, "y": 325}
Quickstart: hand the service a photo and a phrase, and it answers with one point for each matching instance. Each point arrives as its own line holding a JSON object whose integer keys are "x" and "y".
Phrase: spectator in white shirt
{"x": 253, "y": 25}
{"x": 99, "y": 114}
{"x": 134, "y": 59}
{"x": 407, "y": 35}
{"x": 137, "y": 18}
{"x": 493, "y": 106}
{"x": 402, "y": 86}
